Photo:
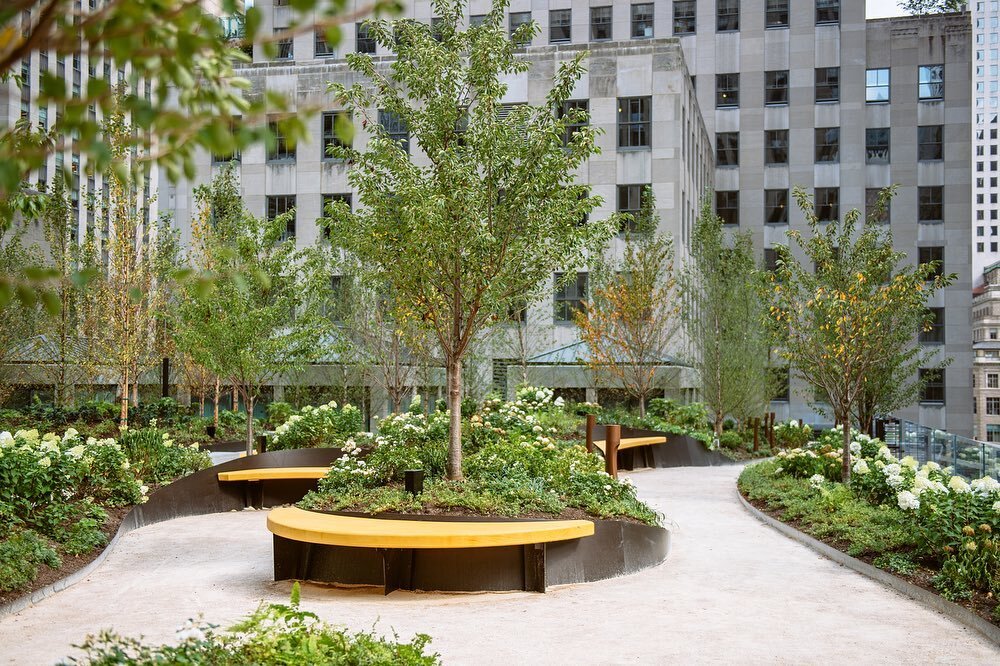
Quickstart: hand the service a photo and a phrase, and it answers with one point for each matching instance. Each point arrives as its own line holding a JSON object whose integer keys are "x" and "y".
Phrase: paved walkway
{"x": 731, "y": 591}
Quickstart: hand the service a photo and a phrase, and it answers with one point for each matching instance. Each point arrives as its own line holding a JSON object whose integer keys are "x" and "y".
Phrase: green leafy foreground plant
{"x": 272, "y": 634}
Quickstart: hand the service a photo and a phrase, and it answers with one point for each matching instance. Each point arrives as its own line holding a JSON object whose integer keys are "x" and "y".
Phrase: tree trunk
{"x": 123, "y": 415}
{"x": 135, "y": 393}
{"x": 215, "y": 404}
{"x": 718, "y": 423}
{"x": 846, "y": 420}
{"x": 235, "y": 400}
{"x": 249, "y": 402}
{"x": 454, "y": 372}
{"x": 642, "y": 406}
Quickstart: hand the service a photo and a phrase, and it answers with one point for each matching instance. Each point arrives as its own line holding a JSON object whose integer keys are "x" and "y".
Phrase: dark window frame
{"x": 568, "y": 298}
{"x": 775, "y": 206}
{"x": 685, "y": 22}
{"x": 328, "y": 127}
{"x": 642, "y": 24}
{"x": 878, "y": 145}
{"x": 775, "y": 94}
{"x": 936, "y": 334}
{"x": 633, "y": 133}
{"x": 775, "y": 147}
{"x": 280, "y": 151}
{"x": 727, "y": 149}
{"x": 827, "y": 203}
{"x": 278, "y": 204}
{"x": 363, "y": 43}
{"x": 827, "y": 145}
{"x": 727, "y": 15}
{"x": 601, "y": 23}
{"x": 930, "y": 83}
{"x": 560, "y": 33}
{"x": 776, "y": 14}
{"x": 727, "y": 90}
{"x": 873, "y": 91}
{"x": 933, "y": 390}
{"x": 827, "y": 12}
{"x": 629, "y": 200}
{"x": 827, "y": 89}
{"x": 727, "y": 207}
{"x": 930, "y": 143}
{"x": 930, "y": 204}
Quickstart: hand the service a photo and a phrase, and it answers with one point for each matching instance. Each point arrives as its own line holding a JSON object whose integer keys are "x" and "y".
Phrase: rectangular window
{"x": 285, "y": 51}
{"x": 992, "y": 432}
{"x": 560, "y": 25}
{"x": 685, "y": 13}
{"x": 930, "y": 143}
{"x": 776, "y": 147}
{"x": 992, "y": 380}
{"x": 321, "y": 49}
{"x": 930, "y": 203}
{"x": 935, "y": 334}
{"x": 279, "y": 205}
{"x": 727, "y": 207}
{"x": 727, "y": 149}
{"x": 872, "y": 210}
{"x": 727, "y": 90}
{"x": 363, "y": 42}
{"x": 396, "y": 128}
{"x": 571, "y": 128}
{"x": 827, "y": 204}
{"x": 827, "y": 84}
{"x": 727, "y": 15}
{"x": 827, "y": 11}
{"x": 600, "y": 23}
{"x": 642, "y": 20}
{"x": 330, "y": 138}
{"x": 634, "y": 122}
{"x": 630, "y": 202}
{"x": 218, "y": 158}
{"x": 877, "y": 145}
{"x": 776, "y": 87}
{"x": 932, "y": 255}
{"x": 776, "y": 14}
{"x": 329, "y": 199}
{"x": 476, "y": 20}
{"x": 568, "y": 298}
{"x": 930, "y": 79}
{"x": 280, "y": 149}
{"x": 932, "y": 389}
{"x": 516, "y": 20}
{"x": 827, "y": 144}
{"x": 877, "y": 86}
{"x": 775, "y": 206}
{"x": 770, "y": 259}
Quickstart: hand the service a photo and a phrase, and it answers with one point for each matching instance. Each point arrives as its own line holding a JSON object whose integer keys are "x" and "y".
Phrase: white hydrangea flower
{"x": 909, "y": 462}
{"x": 71, "y": 433}
{"x": 6, "y": 440}
{"x": 907, "y": 501}
{"x": 76, "y": 452}
{"x": 44, "y": 461}
{"x": 855, "y": 448}
{"x": 894, "y": 481}
{"x": 892, "y": 469}
{"x": 996, "y": 506}
{"x": 816, "y": 480}
{"x": 985, "y": 485}
{"x": 884, "y": 452}
{"x": 932, "y": 466}
{"x": 861, "y": 467}
{"x": 958, "y": 484}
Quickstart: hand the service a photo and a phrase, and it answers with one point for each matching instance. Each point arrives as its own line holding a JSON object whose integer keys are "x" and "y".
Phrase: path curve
{"x": 732, "y": 590}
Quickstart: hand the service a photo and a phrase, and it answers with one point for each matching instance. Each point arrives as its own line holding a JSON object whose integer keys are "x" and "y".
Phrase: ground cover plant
{"x": 919, "y": 521}
{"x": 324, "y": 426}
{"x": 272, "y": 634}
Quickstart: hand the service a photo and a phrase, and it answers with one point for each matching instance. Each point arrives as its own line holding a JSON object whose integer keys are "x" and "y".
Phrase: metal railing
{"x": 967, "y": 457}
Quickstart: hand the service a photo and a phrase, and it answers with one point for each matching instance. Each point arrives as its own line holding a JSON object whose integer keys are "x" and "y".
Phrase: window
{"x": 571, "y": 128}
{"x": 827, "y": 84}
{"x": 727, "y": 90}
{"x": 932, "y": 385}
{"x": 600, "y": 23}
{"x": 827, "y": 204}
{"x": 476, "y": 20}
{"x": 727, "y": 149}
{"x": 285, "y": 51}
{"x": 930, "y": 144}
{"x": 330, "y": 137}
{"x": 217, "y": 158}
{"x": 321, "y": 49}
{"x": 992, "y": 380}
{"x": 634, "y": 122}
{"x": 775, "y": 206}
{"x": 877, "y": 145}
{"x": 279, "y": 205}
{"x": 770, "y": 259}
{"x": 776, "y": 147}
{"x": 560, "y": 25}
{"x": 630, "y": 202}
{"x": 935, "y": 334}
{"x": 568, "y": 298}
{"x": 930, "y": 203}
{"x": 727, "y": 15}
{"x": 517, "y": 19}
{"x": 827, "y": 144}
{"x": 280, "y": 149}
{"x": 930, "y": 79}
{"x": 642, "y": 20}
{"x": 334, "y": 308}
{"x": 776, "y": 14}
{"x": 932, "y": 255}
{"x": 827, "y": 11}
{"x": 877, "y": 86}
{"x": 992, "y": 432}
{"x": 872, "y": 210}
{"x": 727, "y": 206}
{"x": 329, "y": 199}
{"x": 396, "y": 128}
{"x": 363, "y": 42}
{"x": 776, "y": 87}
{"x": 685, "y": 21}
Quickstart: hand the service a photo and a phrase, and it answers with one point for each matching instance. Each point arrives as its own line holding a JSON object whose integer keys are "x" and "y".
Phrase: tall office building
{"x": 986, "y": 109}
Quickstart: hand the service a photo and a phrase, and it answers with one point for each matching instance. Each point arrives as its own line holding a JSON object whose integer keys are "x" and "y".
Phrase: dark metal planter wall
{"x": 679, "y": 451}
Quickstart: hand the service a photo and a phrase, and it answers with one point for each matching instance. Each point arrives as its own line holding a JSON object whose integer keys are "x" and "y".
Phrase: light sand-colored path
{"x": 731, "y": 591}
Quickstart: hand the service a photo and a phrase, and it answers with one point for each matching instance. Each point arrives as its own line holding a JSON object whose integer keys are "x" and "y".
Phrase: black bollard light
{"x": 261, "y": 443}
{"x": 414, "y": 481}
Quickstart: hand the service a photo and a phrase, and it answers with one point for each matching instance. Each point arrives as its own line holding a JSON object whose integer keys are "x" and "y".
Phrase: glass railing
{"x": 967, "y": 457}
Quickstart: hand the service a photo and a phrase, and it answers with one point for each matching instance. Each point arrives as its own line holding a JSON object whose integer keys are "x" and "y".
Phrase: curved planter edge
{"x": 958, "y": 613}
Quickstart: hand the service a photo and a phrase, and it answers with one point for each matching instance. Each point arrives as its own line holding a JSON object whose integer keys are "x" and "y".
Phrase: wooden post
{"x": 755, "y": 424}
{"x": 591, "y": 422}
{"x": 612, "y": 437}
{"x": 800, "y": 423}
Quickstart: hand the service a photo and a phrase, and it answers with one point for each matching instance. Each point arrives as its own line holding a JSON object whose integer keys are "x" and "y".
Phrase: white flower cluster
{"x": 816, "y": 481}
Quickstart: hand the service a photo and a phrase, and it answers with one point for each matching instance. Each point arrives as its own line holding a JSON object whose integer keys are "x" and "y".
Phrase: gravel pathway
{"x": 732, "y": 590}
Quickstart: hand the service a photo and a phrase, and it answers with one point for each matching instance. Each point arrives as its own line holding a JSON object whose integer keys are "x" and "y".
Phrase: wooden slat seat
{"x": 334, "y": 530}
{"x": 632, "y": 442}
{"x": 274, "y": 474}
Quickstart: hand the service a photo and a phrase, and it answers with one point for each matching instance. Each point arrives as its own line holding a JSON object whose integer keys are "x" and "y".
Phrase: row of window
{"x": 727, "y": 15}
{"x": 826, "y": 201}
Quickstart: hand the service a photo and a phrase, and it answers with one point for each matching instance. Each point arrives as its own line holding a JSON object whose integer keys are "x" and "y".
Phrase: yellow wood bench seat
{"x": 632, "y": 442}
{"x": 274, "y": 474}
{"x": 334, "y": 530}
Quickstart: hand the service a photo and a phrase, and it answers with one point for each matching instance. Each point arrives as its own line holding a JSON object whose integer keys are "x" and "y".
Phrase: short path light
{"x": 414, "y": 479}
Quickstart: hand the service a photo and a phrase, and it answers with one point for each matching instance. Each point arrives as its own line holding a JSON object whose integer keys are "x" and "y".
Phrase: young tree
{"x": 723, "y": 317}
{"x": 259, "y": 315}
{"x": 922, "y": 7}
{"x": 838, "y": 318}
{"x": 479, "y": 227}
{"x": 630, "y": 321}
{"x": 21, "y": 318}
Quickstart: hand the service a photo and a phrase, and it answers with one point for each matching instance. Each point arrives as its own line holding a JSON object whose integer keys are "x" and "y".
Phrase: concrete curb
{"x": 957, "y": 613}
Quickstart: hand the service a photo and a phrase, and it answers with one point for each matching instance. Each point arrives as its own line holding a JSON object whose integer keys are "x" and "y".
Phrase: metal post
{"x": 414, "y": 480}
{"x": 261, "y": 443}
{"x": 755, "y": 424}
{"x": 612, "y": 437}
{"x": 589, "y": 427}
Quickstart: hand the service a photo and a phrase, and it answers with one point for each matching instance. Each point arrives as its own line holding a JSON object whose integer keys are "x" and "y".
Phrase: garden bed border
{"x": 933, "y": 601}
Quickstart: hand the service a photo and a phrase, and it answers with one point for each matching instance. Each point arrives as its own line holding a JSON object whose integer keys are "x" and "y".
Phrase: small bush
{"x": 21, "y": 552}
{"x": 278, "y": 413}
{"x": 313, "y": 427}
{"x": 896, "y": 563}
{"x": 730, "y": 439}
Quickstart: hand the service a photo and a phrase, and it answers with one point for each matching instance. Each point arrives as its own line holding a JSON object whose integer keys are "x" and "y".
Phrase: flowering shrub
{"x": 806, "y": 463}
{"x": 693, "y": 416}
{"x": 158, "y": 459}
{"x": 312, "y": 427}
{"x": 791, "y": 435}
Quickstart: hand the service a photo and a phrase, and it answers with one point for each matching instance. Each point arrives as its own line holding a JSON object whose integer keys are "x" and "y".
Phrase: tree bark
{"x": 123, "y": 414}
{"x": 215, "y": 404}
{"x": 846, "y": 471}
{"x": 454, "y": 467}
{"x": 249, "y": 402}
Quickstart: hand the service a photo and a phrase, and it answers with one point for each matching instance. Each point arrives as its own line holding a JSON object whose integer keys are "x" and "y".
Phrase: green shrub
{"x": 84, "y": 536}
{"x": 790, "y": 435}
{"x": 896, "y": 563}
{"x": 952, "y": 582}
{"x": 21, "y": 552}
{"x": 278, "y": 413}
{"x": 316, "y": 427}
{"x": 731, "y": 439}
{"x": 693, "y": 415}
{"x": 157, "y": 459}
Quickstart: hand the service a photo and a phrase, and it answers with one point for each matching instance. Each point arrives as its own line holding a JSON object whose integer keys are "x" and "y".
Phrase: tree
{"x": 922, "y": 7}
{"x": 478, "y": 227}
{"x": 21, "y": 318}
{"x": 723, "y": 318}
{"x": 838, "y": 320}
{"x": 630, "y": 321}
{"x": 257, "y": 313}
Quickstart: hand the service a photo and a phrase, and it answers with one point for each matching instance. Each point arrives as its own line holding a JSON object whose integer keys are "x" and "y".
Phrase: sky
{"x": 882, "y": 8}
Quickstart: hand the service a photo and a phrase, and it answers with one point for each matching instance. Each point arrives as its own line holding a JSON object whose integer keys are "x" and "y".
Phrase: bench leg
{"x": 397, "y": 569}
{"x": 534, "y": 567}
{"x": 253, "y": 494}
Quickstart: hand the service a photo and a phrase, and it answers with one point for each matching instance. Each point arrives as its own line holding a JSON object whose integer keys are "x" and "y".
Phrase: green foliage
{"x": 791, "y": 435}
{"x": 278, "y": 412}
{"x": 896, "y": 563}
{"x": 21, "y": 551}
{"x": 731, "y": 439}
{"x": 691, "y": 415}
{"x": 952, "y": 581}
{"x": 158, "y": 459}
{"x": 923, "y": 7}
{"x": 310, "y": 427}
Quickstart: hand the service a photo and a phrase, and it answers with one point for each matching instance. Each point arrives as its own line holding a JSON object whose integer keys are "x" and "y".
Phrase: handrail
{"x": 967, "y": 457}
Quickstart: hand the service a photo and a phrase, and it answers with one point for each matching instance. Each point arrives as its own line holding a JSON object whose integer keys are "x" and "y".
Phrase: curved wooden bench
{"x": 274, "y": 473}
{"x": 631, "y": 442}
{"x": 296, "y": 532}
